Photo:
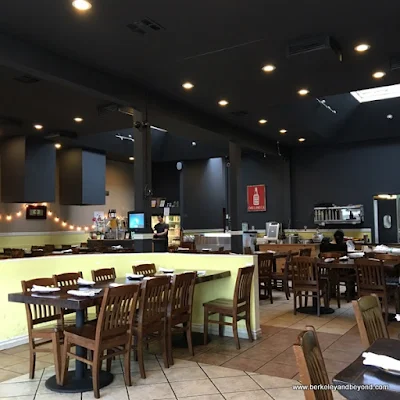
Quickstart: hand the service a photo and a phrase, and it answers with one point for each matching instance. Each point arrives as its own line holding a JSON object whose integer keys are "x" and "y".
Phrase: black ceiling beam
{"x": 161, "y": 109}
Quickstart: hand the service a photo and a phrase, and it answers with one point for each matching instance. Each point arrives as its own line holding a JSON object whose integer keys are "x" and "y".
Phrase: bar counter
{"x": 218, "y": 282}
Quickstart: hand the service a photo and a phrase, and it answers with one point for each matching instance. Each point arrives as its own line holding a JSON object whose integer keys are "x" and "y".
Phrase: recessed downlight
{"x": 38, "y": 127}
{"x": 194, "y": 144}
{"x": 362, "y": 47}
{"x": 302, "y": 139}
{"x": 223, "y": 103}
{"x": 82, "y": 5}
{"x": 188, "y": 85}
{"x": 262, "y": 121}
{"x": 389, "y": 116}
{"x": 268, "y": 68}
{"x": 78, "y": 119}
{"x": 303, "y": 92}
{"x": 378, "y": 74}
{"x": 131, "y": 158}
{"x": 57, "y": 146}
{"x": 283, "y": 131}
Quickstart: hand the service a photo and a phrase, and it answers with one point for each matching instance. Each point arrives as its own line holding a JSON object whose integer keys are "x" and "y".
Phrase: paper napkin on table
{"x": 344, "y": 258}
{"x": 84, "y": 293}
{"x": 85, "y": 282}
{"x": 116, "y": 284}
{"x": 43, "y": 289}
{"x": 397, "y": 316}
{"x": 357, "y": 255}
{"x": 119, "y": 247}
{"x": 66, "y": 251}
{"x": 328, "y": 260}
{"x": 271, "y": 251}
{"x": 183, "y": 249}
{"x": 380, "y": 361}
{"x": 134, "y": 276}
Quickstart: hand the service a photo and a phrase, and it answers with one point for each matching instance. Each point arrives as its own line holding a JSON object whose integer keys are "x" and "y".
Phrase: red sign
{"x": 256, "y": 199}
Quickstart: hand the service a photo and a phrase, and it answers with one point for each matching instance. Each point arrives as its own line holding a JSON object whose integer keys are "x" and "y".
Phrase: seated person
{"x": 338, "y": 244}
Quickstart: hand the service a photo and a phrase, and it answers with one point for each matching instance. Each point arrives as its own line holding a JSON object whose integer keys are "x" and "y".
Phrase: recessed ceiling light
{"x": 389, "y": 116}
{"x": 262, "y": 121}
{"x": 82, "y": 5}
{"x": 57, "y": 145}
{"x": 378, "y": 74}
{"x": 268, "y": 68}
{"x": 194, "y": 144}
{"x": 78, "y": 119}
{"x": 223, "y": 103}
{"x": 283, "y": 131}
{"x": 188, "y": 85}
{"x": 303, "y": 92}
{"x": 302, "y": 139}
{"x": 131, "y": 158}
{"x": 38, "y": 127}
{"x": 362, "y": 47}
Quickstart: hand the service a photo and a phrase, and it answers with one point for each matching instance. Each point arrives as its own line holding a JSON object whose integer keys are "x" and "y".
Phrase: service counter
{"x": 13, "y": 318}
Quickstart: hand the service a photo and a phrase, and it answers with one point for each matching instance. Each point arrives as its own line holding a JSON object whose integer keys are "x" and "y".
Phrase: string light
{"x": 71, "y": 227}
{"x": 9, "y": 218}
{"x": 49, "y": 213}
{"x": 64, "y": 223}
{"x": 56, "y": 219}
{"x": 78, "y": 228}
{"x": 86, "y": 228}
{"x": 19, "y": 213}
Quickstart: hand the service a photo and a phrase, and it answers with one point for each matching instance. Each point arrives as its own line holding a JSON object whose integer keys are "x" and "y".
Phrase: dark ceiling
{"x": 221, "y": 47}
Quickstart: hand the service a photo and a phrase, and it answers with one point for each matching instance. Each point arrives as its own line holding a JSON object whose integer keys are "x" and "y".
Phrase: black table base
{"x": 74, "y": 385}
{"x": 180, "y": 342}
{"x": 313, "y": 310}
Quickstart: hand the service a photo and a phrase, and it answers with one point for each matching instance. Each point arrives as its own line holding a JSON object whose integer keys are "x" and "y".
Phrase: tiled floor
{"x": 216, "y": 372}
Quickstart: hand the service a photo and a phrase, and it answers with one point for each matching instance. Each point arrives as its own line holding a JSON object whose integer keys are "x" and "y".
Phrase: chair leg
{"x": 96, "y": 374}
{"x": 235, "y": 331}
{"x": 287, "y": 292}
{"x": 109, "y": 361}
{"x": 221, "y": 325}
{"x": 32, "y": 360}
{"x": 294, "y": 302}
{"x": 165, "y": 346}
{"x": 270, "y": 291}
{"x": 338, "y": 293}
{"x": 248, "y": 326}
{"x": 127, "y": 365}
{"x": 318, "y": 305}
{"x": 169, "y": 342}
{"x": 65, "y": 361}
{"x": 305, "y": 299}
{"x": 140, "y": 356}
{"x": 55, "y": 341}
{"x": 189, "y": 338}
{"x": 205, "y": 339}
{"x": 386, "y": 304}
{"x": 135, "y": 348}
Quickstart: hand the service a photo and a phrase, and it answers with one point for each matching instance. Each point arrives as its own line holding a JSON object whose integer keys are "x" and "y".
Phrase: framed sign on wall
{"x": 256, "y": 198}
{"x": 36, "y": 212}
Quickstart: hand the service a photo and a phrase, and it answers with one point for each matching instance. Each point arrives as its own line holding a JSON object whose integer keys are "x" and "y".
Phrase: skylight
{"x": 379, "y": 93}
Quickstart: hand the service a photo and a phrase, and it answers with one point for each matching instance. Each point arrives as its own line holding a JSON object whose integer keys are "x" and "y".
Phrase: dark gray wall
{"x": 165, "y": 179}
{"x": 342, "y": 175}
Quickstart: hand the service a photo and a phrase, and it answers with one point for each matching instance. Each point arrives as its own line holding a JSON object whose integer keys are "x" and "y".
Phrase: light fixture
{"x": 19, "y": 214}
{"x": 71, "y": 227}
{"x": 262, "y": 121}
{"x": 268, "y": 68}
{"x": 303, "y": 92}
{"x": 223, "y": 103}
{"x": 78, "y": 119}
{"x": 188, "y": 85}
{"x": 362, "y": 47}
{"x": 56, "y": 219}
{"x": 38, "y": 127}
{"x": 379, "y": 93}
{"x": 78, "y": 228}
{"x": 389, "y": 116}
{"x": 131, "y": 158}
{"x": 49, "y": 213}
{"x": 64, "y": 223}
{"x": 194, "y": 144}
{"x": 86, "y": 228}
{"x": 82, "y": 5}
{"x": 378, "y": 74}
{"x": 283, "y": 131}
{"x": 302, "y": 139}
{"x": 57, "y": 146}
{"x": 9, "y": 218}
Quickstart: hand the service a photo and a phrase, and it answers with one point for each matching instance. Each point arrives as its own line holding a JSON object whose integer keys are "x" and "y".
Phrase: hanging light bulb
{"x": 78, "y": 228}
{"x": 44, "y": 204}
{"x": 19, "y": 214}
{"x": 86, "y": 228}
{"x": 94, "y": 226}
{"x": 49, "y": 213}
{"x": 64, "y": 223}
{"x": 56, "y": 219}
{"x": 71, "y": 227}
{"x": 9, "y": 218}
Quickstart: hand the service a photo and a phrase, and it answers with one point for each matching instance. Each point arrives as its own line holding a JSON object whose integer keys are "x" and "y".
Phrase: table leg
{"x": 80, "y": 367}
{"x": 313, "y": 309}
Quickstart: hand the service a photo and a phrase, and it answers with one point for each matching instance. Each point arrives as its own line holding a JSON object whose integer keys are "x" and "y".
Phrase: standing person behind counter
{"x": 338, "y": 244}
{"x": 161, "y": 233}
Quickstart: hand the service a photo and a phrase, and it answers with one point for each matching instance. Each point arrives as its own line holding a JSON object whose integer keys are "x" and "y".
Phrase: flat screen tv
{"x": 135, "y": 220}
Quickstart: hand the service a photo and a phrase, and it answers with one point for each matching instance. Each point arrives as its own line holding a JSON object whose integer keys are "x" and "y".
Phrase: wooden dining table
{"x": 80, "y": 379}
{"x": 370, "y": 383}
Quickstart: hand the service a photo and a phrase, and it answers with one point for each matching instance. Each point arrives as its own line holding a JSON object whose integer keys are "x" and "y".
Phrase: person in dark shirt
{"x": 161, "y": 232}
{"x": 337, "y": 245}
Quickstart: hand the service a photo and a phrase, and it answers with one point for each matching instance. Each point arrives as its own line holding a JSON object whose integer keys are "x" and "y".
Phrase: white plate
{"x": 44, "y": 289}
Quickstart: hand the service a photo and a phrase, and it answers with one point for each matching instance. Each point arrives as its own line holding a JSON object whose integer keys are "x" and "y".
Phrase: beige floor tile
{"x": 252, "y": 395}
{"x": 108, "y": 393}
{"x": 7, "y": 375}
{"x": 212, "y": 358}
{"x": 336, "y": 330}
{"x": 337, "y": 355}
{"x": 235, "y": 384}
{"x": 24, "y": 377}
{"x": 205, "y": 397}
{"x": 244, "y": 364}
{"x": 214, "y": 371}
{"x": 149, "y": 365}
{"x": 17, "y": 349}
{"x": 24, "y": 367}
{"x": 151, "y": 392}
{"x": 280, "y": 322}
{"x": 268, "y": 330}
{"x": 64, "y": 396}
{"x": 280, "y": 370}
{"x": 272, "y": 382}
{"x": 7, "y": 360}
{"x": 185, "y": 374}
{"x": 334, "y": 366}
{"x": 180, "y": 364}
{"x": 18, "y": 389}
{"x": 193, "y": 388}
{"x": 30, "y": 397}
{"x": 285, "y": 394}
{"x": 152, "y": 377}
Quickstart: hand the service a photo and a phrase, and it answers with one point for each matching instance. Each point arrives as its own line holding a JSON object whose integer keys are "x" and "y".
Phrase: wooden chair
{"x": 112, "y": 336}
{"x": 305, "y": 252}
{"x": 151, "y": 323}
{"x": 49, "y": 248}
{"x": 284, "y": 276}
{"x": 66, "y": 247}
{"x": 371, "y": 280}
{"x": 84, "y": 244}
{"x": 370, "y": 321}
{"x": 232, "y": 308}
{"x": 37, "y": 314}
{"x": 8, "y": 251}
{"x": 17, "y": 253}
{"x": 385, "y": 257}
{"x": 103, "y": 275}
{"x": 265, "y": 275}
{"x": 179, "y": 309}
{"x": 311, "y": 365}
{"x": 307, "y": 279}
{"x": 145, "y": 269}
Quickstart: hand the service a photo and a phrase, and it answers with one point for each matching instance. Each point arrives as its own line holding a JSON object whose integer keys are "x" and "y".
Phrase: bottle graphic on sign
{"x": 256, "y": 197}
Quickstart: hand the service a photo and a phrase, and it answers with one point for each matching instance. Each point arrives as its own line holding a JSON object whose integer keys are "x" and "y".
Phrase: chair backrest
{"x": 265, "y": 265}
{"x": 386, "y": 257}
{"x": 370, "y": 322}
{"x": 68, "y": 279}
{"x": 17, "y": 253}
{"x": 304, "y": 271}
{"x": 332, "y": 254}
{"x": 7, "y": 251}
{"x": 243, "y": 286}
{"x": 181, "y": 294}
{"x": 117, "y": 312}
{"x": 145, "y": 269}
{"x": 154, "y": 300}
{"x": 103, "y": 275}
{"x": 49, "y": 248}
{"x": 311, "y": 365}
{"x": 37, "y": 313}
{"x": 66, "y": 246}
{"x": 370, "y": 276}
{"x": 84, "y": 244}
{"x": 305, "y": 252}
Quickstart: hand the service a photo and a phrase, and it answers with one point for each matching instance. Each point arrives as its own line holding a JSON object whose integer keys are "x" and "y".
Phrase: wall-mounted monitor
{"x": 135, "y": 220}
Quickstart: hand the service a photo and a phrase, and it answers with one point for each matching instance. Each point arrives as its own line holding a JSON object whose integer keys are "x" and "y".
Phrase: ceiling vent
{"x": 62, "y": 134}
{"x": 313, "y": 44}
{"x": 240, "y": 113}
{"x": 26, "y": 79}
{"x": 395, "y": 62}
{"x": 146, "y": 25}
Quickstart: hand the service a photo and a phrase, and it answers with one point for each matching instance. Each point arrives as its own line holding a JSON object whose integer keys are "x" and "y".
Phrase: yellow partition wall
{"x": 13, "y": 318}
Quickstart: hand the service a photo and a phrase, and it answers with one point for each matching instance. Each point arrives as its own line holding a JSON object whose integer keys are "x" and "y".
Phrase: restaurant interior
{"x": 199, "y": 201}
